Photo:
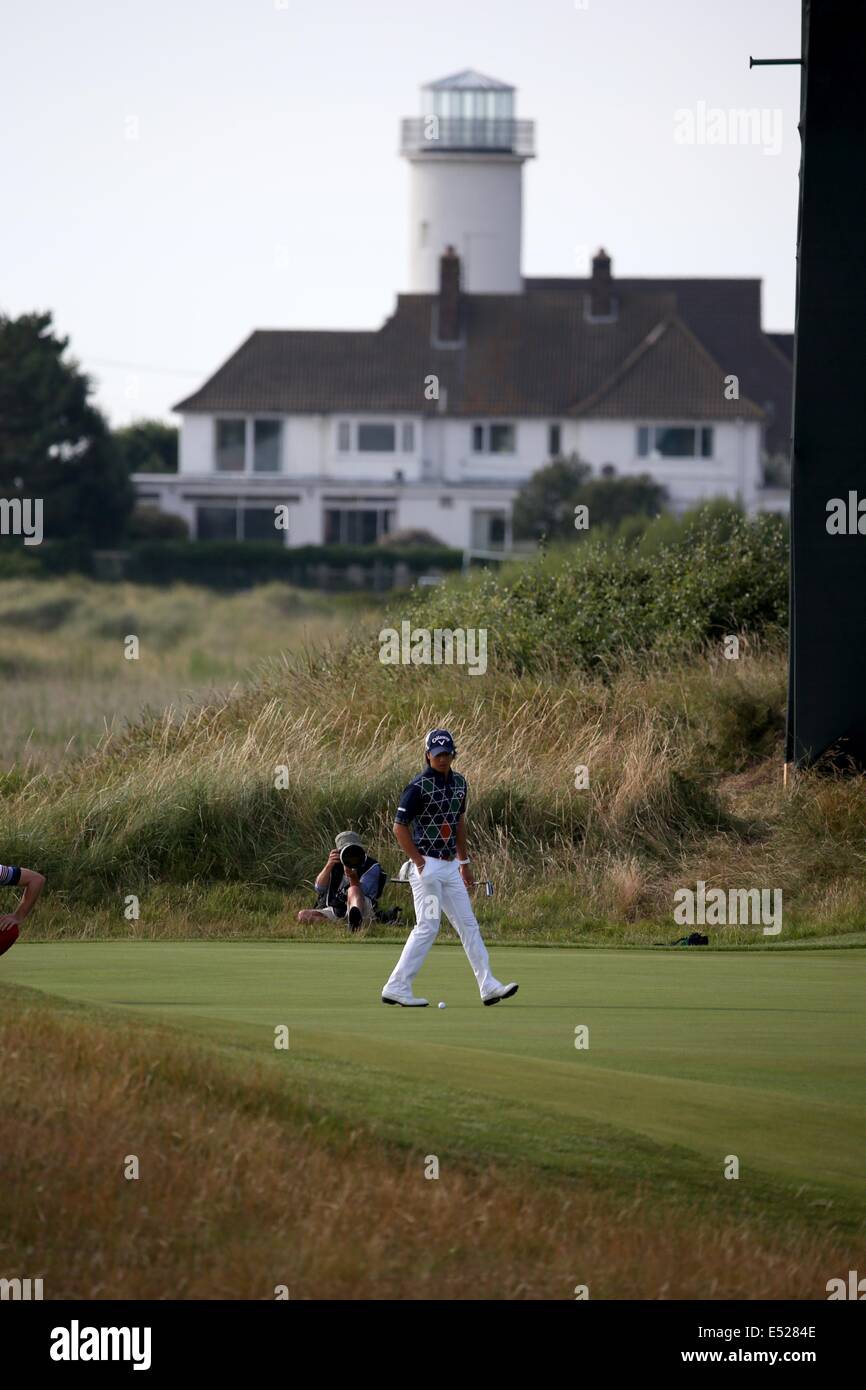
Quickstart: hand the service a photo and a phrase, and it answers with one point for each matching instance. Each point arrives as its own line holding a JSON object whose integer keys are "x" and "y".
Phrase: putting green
{"x": 697, "y": 1055}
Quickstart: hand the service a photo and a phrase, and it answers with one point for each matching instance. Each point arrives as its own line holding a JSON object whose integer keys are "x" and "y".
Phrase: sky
{"x": 181, "y": 172}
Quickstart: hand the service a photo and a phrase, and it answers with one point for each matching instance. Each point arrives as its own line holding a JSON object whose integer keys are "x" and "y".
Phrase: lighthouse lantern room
{"x": 466, "y": 154}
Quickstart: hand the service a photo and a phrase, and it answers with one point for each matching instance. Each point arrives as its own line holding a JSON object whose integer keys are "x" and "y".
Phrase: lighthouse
{"x": 466, "y": 154}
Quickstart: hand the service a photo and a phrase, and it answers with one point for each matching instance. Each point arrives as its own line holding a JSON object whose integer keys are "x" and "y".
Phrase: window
{"x": 230, "y": 445}
{"x": 554, "y": 441}
{"x": 408, "y": 437}
{"x": 376, "y": 439}
{"x": 232, "y": 520}
{"x": 502, "y": 439}
{"x": 675, "y": 441}
{"x": 493, "y": 439}
{"x": 267, "y": 435}
{"x": 344, "y": 436}
{"x": 487, "y": 529}
{"x": 259, "y": 524}
{"x": 357, "y": 525}
{"x": 216, "y": 523}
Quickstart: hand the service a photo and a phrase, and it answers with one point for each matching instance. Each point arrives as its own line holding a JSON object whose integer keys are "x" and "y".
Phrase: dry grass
{"x": 684, "y": 757}
{"x": 69, "y": 684}
{"x": 244, "y": 1186}
{"x": 192, "y": 799}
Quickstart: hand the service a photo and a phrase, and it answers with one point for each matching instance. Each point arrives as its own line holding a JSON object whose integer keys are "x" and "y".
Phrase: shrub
{"x": 150, "y": 524}
{"x": 602, "y": 602}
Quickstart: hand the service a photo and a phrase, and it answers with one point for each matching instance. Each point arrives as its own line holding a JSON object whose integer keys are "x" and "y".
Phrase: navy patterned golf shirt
{"x": 433, "y": 804}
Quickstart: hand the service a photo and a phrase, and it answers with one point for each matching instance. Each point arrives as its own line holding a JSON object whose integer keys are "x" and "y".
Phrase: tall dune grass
{"x": 217, "y": 811}
{"x": 685, "y": 783}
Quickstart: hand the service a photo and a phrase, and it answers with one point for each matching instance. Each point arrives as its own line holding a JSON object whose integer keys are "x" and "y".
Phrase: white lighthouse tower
{"x": 466, "y": 154}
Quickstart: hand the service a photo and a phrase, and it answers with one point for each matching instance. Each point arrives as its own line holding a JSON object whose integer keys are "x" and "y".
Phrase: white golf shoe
{"x": 408, "y": 1001}
{"x": 503, "y": 992}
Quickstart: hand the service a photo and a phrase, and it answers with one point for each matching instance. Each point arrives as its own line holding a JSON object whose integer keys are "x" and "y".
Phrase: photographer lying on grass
{"x": 349, "y": 885}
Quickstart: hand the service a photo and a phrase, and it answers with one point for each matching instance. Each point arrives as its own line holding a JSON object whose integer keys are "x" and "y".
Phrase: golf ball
{"x": 441, "y": 1003}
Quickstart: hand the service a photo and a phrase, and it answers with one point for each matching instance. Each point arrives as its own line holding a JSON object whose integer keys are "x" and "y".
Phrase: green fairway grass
{"x": 691, "y": 1057}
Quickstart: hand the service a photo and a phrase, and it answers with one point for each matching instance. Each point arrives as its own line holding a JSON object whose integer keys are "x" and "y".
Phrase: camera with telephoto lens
{"x": 352, "y": 857}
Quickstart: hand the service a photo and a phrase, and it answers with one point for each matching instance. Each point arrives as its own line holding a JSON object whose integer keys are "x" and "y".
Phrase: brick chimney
{"x": 601, "y": 299}
{"x": 449, "y": 296}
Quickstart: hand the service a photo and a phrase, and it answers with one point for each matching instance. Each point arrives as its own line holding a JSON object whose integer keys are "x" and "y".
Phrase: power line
{"x": 140, "y": 367}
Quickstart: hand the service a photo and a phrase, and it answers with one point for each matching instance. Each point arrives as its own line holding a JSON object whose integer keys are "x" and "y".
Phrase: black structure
{"x": 827, "y": 670}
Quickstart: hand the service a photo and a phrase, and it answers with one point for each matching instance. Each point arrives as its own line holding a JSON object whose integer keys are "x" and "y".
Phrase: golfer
{"x": 434, "y": 805}
{"x": 344, "y": 889}
{"x": 10, "y": 922}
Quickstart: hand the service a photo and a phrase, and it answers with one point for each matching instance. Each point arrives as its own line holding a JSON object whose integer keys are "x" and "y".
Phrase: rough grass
{"x": 67, "y": 682}
{"x": 216, "y": 806}
{"x": 218, "y": 818}
{"x": 245, "y": 1184}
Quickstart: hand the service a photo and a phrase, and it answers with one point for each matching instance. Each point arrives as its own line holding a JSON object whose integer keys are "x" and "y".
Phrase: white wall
{"x": 196, "y": 444}
{"x": 443, "y": 456}
{"x": 422, "y": 510}
{"x": 354, "y": 464}
{"x": 734, "y": 468}
{"x": 473, "y": 203}
{"x": 448, "y": 449}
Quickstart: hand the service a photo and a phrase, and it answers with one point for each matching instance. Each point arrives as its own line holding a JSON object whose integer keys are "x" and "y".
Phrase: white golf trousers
{"x": 440, "y": 888}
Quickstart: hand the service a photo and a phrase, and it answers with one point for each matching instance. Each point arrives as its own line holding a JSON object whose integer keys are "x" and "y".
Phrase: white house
{"x": 480, "y": 376}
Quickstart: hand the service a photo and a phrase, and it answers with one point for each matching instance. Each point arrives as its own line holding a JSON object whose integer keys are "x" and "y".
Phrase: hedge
{"x": 233, "y": 564}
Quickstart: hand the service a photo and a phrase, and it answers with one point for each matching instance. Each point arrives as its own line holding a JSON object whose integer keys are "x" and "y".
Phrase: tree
{"x": 54, "y": 444}
{"x": 611, "y": 500}
{"x": 148, "y": 446}
{"x": 545, "y": 504}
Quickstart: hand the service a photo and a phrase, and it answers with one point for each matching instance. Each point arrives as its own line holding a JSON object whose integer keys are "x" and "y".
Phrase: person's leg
{"x": 317, "y": 914}
{"x": 457, "y": 906}
{"x": 428, "y": 908}
{"x": 359, "y": 908}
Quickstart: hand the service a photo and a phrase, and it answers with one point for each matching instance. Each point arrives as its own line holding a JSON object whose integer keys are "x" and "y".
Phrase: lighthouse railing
{"x": 427, "y": 134}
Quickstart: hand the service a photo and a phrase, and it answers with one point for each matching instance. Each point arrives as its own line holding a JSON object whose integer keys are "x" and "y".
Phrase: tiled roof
{"x": 665, "y": 354}
{"x": 668, "y": 375}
